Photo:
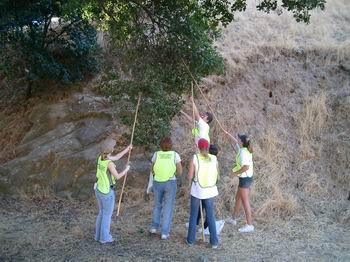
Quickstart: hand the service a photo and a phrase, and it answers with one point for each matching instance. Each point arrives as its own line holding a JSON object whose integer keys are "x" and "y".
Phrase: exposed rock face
{"x": 61, "y": 148}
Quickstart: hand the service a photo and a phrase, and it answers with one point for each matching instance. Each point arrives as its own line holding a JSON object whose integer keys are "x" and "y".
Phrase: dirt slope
{"x": 288, "y": 86}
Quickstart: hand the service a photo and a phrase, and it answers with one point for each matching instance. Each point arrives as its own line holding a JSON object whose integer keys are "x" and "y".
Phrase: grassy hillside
{"x": 287, "y": 85}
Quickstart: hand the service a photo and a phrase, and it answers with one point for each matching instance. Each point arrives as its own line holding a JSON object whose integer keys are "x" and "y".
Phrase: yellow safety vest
{"x": 105, "y": 181}
{"x": 164, "y": 167}
{"x": 238, "y": 159}
{"x": 206, "y": 172}
{"x": 195, "y": 133}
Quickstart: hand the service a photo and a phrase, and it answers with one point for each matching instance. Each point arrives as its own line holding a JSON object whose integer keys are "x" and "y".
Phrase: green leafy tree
{"x": 152, "y": 42}
{"x": 46, "y": 41}
{"x": 155, "y": 41}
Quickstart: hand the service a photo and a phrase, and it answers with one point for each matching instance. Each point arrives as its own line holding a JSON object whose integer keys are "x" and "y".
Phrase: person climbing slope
{"x": 202, "y": 122}
{"x": 244, "y": 170}
{"x": 106, "y": 175}
{"x": 166, "y": 164}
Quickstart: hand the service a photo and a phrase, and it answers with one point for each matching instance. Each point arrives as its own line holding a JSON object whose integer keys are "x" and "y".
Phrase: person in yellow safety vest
{"x": 202, "y": 121}
{"x": 244, "y": 170}
{"x": 106, "y": 175}
{"x": 166, "y": 164}
{"x": 203, "y": 172}
{"x": 213, "y": 150}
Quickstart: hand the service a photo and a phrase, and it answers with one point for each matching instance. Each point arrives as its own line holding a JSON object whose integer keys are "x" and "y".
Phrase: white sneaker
{"x": 246, "y": 229}
{"x": 153, "y": 230}
{"x": 164, "y": 237}
{"x": 232, "y": 221}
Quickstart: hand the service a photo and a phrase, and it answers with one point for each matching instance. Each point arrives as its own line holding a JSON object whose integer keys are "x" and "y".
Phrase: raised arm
{"x": 231, "y": 136}
{"x": 235, "y": 145}
{"x": 195, "y": 110}
{"x": 120, "y": 155}
{"x": 114, "y": 172}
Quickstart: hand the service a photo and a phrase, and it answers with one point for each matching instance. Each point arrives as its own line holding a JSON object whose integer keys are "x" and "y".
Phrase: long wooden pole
{"x": 207, "y": 102}
{"x": 200, "y": 201}
{"x": 205, "y": 98}
{"x": 131, "y": 140}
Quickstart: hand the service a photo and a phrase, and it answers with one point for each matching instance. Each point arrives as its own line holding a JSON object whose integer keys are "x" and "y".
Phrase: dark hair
{"x": 209, "y": 117}
{"x": 166, "y": 144}
{"x": 246, "y": 142}
{"x": 213, "y": 150}
{"x": 104, "y": 156}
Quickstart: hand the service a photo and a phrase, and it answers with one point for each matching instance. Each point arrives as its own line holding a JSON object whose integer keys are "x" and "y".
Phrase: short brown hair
{"x": 166, "y": 144}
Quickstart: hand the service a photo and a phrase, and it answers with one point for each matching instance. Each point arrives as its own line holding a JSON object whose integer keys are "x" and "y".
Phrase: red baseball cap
{"x": 203, "y": 144}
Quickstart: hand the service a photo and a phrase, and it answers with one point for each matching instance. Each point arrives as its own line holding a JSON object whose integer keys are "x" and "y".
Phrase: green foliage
{"x": 300, "y": 8}
{"x": 44, "y": 40}
{"x": 154, "y": 41}
{"x": 157, "y": 107}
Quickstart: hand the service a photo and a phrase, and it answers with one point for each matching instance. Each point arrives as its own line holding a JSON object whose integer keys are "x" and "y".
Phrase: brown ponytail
{"x": 104, "y": 155}
{"x": 204, "y": 152}
{"x": 250, "y": 148}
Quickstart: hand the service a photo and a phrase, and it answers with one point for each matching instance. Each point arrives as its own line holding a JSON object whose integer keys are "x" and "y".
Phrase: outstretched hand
{"x": 192, "y": 99}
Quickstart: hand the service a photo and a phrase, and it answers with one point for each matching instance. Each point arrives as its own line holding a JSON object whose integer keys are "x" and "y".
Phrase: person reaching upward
{"x": 244, "y": 170}
{"x": 202, "y": 121}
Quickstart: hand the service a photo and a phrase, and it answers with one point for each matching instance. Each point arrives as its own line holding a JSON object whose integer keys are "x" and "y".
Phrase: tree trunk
{"x": 29, "y": 89}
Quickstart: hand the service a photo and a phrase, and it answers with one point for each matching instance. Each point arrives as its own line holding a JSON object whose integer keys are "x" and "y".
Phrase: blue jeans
{"x": 208, "y": 205}
{"x": 164, "y": 202}
{"x": 103, "y": 220}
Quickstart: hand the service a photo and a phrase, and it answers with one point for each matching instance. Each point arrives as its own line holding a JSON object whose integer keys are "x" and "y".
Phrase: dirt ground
{"x": 62, "y": 230}
{"x": 287, "y": 85}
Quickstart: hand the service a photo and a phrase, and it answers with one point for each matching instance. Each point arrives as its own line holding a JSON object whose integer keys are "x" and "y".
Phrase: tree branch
{"x": 64, "y": 29}
{"x": 46, "y": 28}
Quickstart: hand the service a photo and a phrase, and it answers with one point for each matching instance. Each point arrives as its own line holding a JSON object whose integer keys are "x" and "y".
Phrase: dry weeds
{"x": 282, "y": 86}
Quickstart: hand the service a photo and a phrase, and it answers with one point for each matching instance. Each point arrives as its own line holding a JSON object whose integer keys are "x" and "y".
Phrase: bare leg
{"x": 237, "y": 204}
{"x": 246, "y": 205}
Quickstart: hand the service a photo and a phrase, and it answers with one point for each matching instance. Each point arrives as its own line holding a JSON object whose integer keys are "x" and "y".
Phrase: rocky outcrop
{"x": 59, "y": 151}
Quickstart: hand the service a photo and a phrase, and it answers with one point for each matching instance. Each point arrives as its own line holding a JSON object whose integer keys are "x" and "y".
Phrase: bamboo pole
{"x": 205, "y": 98}
{"x": 200, "y": 201}
{"x": 207, "y": 103}
{"x": 131, "y": 140}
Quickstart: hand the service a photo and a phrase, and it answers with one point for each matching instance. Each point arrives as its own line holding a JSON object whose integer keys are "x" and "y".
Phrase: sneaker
{"x": 153, "y": 230}
{"x": 246, "y": 229}
{"x": 214, "y": 246}
{"x": 164, "y": 237}
{"x": 107, "y": 242}
{"x": 189, "y": 244}
{"x": 232, "y": 221}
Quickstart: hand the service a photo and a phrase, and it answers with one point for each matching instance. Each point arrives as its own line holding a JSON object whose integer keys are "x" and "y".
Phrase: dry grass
{"x": 279, "y": 205}
{"x": 313, "y": 118}
{"x": 299, "y": 66}
{"x": 14, "y": 125}
{"x": 301, "y": 152}
{"x": 317, "y": 186}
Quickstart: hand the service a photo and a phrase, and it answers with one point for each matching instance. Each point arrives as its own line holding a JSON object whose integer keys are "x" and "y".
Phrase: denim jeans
{"x": 103, "y": 220}
{"x": 208, "y": 205}
{"x": 164, "y": 202}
